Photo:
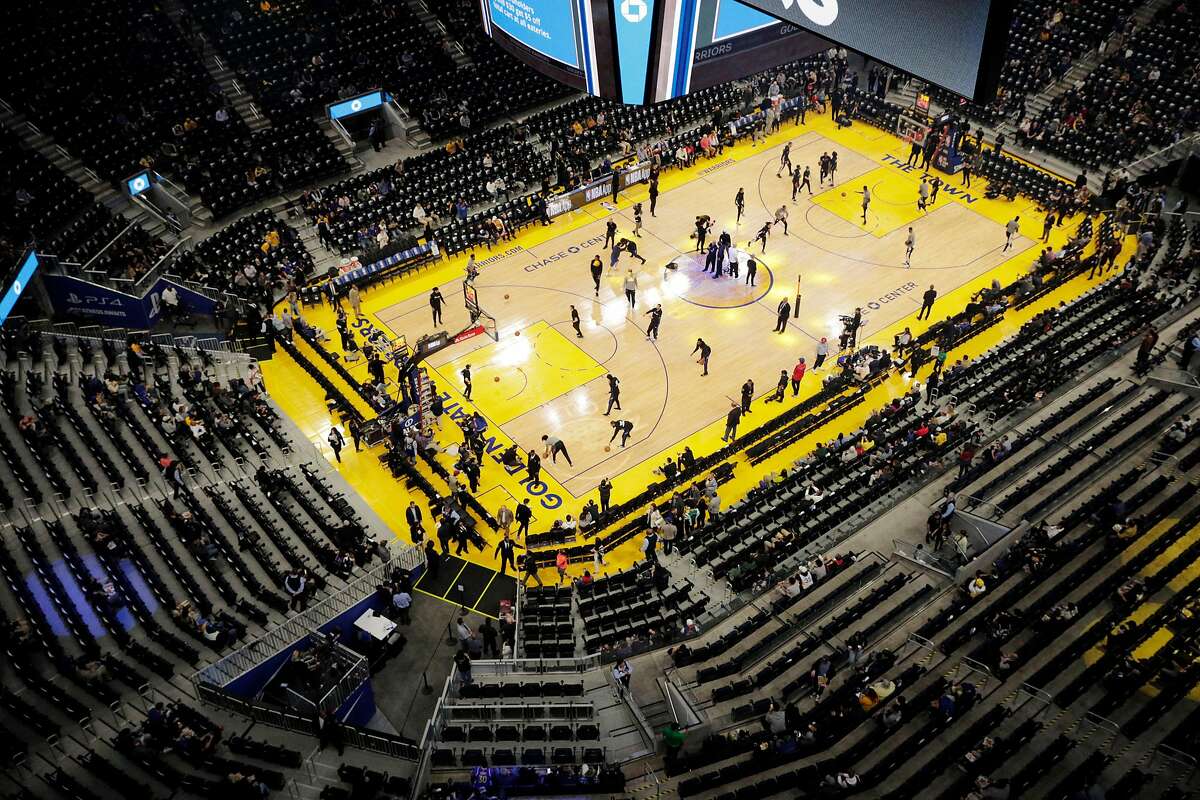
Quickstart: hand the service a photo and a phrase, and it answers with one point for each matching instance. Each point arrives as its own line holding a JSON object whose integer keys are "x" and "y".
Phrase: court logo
{"x": 635, "y": 10}
{"x": 819, "y": 12}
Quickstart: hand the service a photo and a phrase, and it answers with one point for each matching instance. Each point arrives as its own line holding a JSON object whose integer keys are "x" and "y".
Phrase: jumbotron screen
{"x": 645, "y": 51}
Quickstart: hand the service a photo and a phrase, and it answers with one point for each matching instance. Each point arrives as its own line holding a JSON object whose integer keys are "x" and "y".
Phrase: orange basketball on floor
{"x": 843, "y": 195}
{"x": 496, "y": 379}
{"x": 505, "y": 297}
{"x": 607, "y": 448}
{"x": 518, "y": 333}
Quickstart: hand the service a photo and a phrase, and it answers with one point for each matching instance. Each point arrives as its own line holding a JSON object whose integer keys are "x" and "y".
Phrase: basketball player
{"x": 740, "y": 202}
{"x": 909, "y": 243}
{"x": 762, "y": 235}
{"x": 631, "y": 247}
{"x": 614, "y": 393}
{"x": 923, "y": 195}
{"x": 805, "y": 182}
{"x": 785, "y": 160}
{"x": 1010, "y": 230}
{"x": 575, "y": 323}
{"x": 866, "y": 202}
{"x": 823, "y": 163}
{"x": 637, "y": 220}
{"x": 832, "y": 166}
{"x": 655, "y": 315}
{"x": 623, "y": 427}
{"x": 781, "y": 215}
{"x": 466, "y": 376}
{"x": 554, "y": 446}
{"x": 705, "y": 351}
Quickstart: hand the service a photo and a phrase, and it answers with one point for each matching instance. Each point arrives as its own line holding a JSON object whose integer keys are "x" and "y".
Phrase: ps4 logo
{"x": 92, "y": 300}
{"x": 819, "y": 12}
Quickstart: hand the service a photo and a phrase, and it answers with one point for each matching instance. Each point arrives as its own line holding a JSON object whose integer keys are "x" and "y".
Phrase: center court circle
{"x": 699, "y": 288}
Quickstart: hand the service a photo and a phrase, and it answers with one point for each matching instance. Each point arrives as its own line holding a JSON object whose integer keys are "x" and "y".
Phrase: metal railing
{"x": 111, "y": 242}
{"x": 919, "y": 555}
{"x": 303, "y": 624}
{"x": 1188, "y": 142}
{"x": 535, "y": 666}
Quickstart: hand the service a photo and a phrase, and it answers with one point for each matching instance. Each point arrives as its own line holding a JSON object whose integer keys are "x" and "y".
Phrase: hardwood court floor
{"x": 540, "y": 378}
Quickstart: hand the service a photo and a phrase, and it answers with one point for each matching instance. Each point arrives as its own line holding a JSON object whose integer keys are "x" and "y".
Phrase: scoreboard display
{"x": 646, "y": 51}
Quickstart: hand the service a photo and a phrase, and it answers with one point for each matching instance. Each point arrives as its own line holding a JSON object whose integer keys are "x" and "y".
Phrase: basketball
{"x": 505, "y": 297}
{"x": 518, "y": 333}
{"x": 496, "y": 379}
{"x": 843, "y": 195}
{"x": 607, "y": 448}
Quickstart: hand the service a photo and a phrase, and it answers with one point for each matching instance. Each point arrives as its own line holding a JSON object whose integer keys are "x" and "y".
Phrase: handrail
{"x": 1187, "y": 140}
{"x": 100, "y": 252}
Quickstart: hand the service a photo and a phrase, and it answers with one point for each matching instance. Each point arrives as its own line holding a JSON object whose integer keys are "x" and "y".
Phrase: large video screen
{"x": 645, "y": 51}
{"x": 945, "y": 42}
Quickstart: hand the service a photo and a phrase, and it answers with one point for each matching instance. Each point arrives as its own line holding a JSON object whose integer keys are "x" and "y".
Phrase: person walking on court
{"x": 653, "y": 193}
{"x": 637, "y": 220}
{"x": 747, "y": 395}
{"x": 781, "y": 215}
{"x": 355, "y": 298}
{"x": 967, "y": 165}
{"x": 466, "y": 376}
{"x": 927, "y": 303}
{"x": 866, "y": 203}
{"x": 740, "y": 201}
{"x": 782, "y": 313}
{"x": 575, "y": 322}
{"x": 655, "y": 315}
{"x": 1048, "y": 226}
{"x": 751, "y": 271}
{"x": 610, "y": 233}
{"x": 785, "y": 160}
{"x": 597, "y": 268}
{"x": 622, "y": 427}
{"x": 797, "y": 376}
{"x": 801, "y": 181}
{"x": 832, "y": 166}
{"x": 507, "y": 550}
{"x": 923, "y": 192}
{"x": 731, "y": 423}
{"x": 614, "y": 393}
{"x": 910, "y": 242}
{"x": 1010, "y": 230}
{"x": 934, "y": 186}
{"x": 780, "y": 388}
{"x": 710, "y": 259}
{"x": 336, "y": 441}
{"x": 762, "y": 235}
{"x": 822, "y": 352}
{"x": 705, "y": 351}
{"x": 524, "y": 516}
{"x": 631, "y": 288}
{"x": 554, "y": 446}
{"x": 823, "y": 167}
{"x": 435, "y": 302}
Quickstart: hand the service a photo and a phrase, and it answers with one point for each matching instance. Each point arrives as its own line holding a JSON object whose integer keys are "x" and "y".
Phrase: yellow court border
{"x": 388, "y": 498}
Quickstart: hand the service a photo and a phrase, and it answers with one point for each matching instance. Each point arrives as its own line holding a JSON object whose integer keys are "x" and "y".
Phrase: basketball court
{"x": 539, "y": 378}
